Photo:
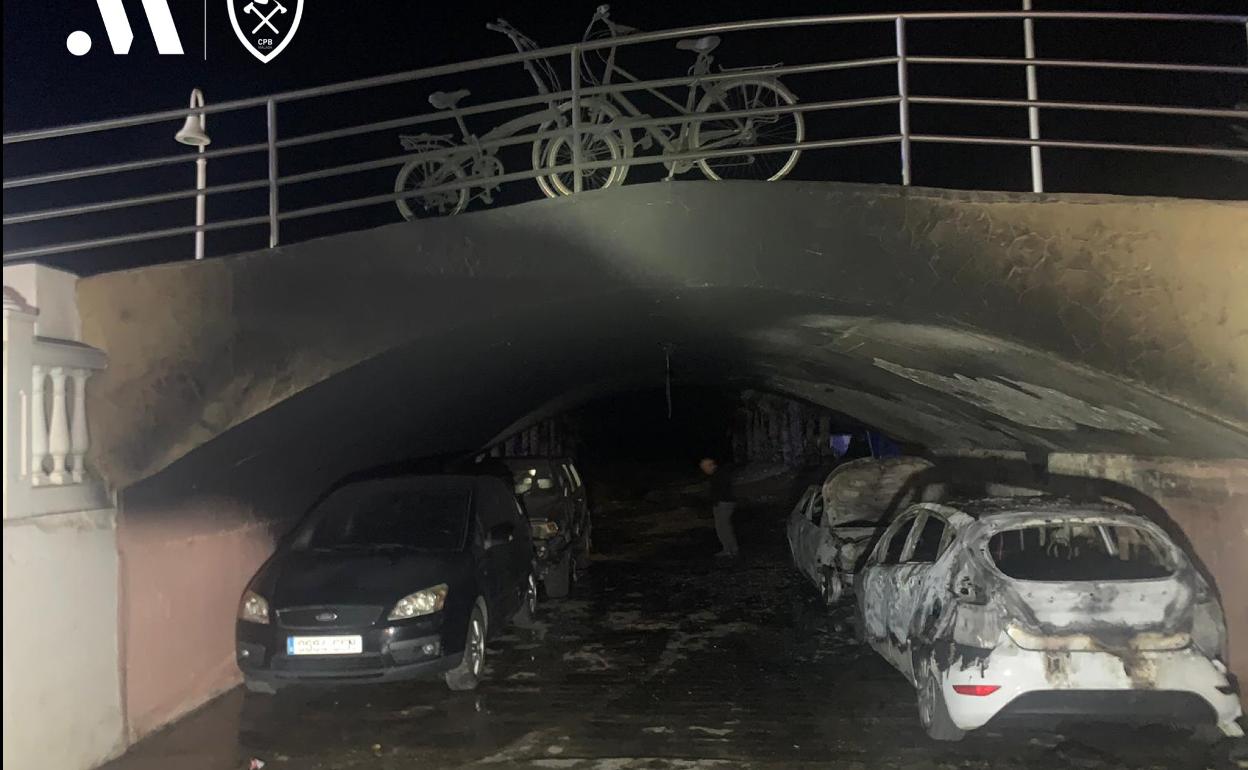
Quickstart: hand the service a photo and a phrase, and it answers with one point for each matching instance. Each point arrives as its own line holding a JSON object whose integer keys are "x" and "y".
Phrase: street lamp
{"x": 193, "y": 133}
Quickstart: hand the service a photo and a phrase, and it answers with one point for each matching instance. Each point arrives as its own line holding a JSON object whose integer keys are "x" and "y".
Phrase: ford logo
{"x": 325, "y": 617}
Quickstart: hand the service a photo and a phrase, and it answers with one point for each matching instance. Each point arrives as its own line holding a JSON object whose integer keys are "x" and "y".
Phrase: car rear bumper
{"x": 1179, "y": 686}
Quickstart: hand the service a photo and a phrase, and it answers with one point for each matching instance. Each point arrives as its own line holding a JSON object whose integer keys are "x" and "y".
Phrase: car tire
{"x": 467, "y": 675}
{"x": 527, "y": 614}
{"x": 559, "y": 580}
{"x": 933, "y": 711}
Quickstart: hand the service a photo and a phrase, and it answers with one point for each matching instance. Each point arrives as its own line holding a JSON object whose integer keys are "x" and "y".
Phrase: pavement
{"x": 663, "y": 657}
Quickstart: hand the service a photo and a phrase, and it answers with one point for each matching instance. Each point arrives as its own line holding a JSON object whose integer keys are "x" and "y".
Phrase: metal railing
{"x": 583, "y": 102}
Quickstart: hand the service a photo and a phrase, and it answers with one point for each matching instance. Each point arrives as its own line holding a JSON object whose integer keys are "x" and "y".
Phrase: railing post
{"x": 576, "y": 120}
{"x": 38, "y": 425}
{"x": 79, "y": 439}
{"x": 58, "y": 430}
{"x": 903, "y": 106}
{"x": 1033, "y": 113}
{"x": 270, "y": 110}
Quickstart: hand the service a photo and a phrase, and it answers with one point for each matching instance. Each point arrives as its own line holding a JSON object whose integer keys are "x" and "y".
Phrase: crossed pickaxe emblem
{"x": 264, "y": 20}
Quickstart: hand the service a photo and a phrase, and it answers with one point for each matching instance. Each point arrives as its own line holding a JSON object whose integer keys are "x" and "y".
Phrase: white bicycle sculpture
{"x": 603, "y": 136}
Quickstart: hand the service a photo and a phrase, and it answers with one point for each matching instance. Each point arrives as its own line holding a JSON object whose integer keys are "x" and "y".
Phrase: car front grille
{"x": 318, "y": 618}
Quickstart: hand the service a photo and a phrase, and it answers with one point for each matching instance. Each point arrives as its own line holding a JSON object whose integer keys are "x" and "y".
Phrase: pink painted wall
{"x": 182, "y": 572}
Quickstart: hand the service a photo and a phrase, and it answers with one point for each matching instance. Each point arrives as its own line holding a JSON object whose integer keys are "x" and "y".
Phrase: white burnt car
{"x": 832, "y": 527}
{"x": 1033, "y": 606}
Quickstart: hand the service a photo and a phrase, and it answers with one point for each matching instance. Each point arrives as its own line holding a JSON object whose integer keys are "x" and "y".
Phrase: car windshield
{"x": 1075, "y": 551}
{"x": 424, "y": 514}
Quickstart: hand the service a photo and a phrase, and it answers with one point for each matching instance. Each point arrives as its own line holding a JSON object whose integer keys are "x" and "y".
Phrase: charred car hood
{"x": 305, "y": 578}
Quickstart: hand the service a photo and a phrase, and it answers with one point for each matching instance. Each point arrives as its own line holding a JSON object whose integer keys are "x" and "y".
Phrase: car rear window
{"x": 1074, "y": 551}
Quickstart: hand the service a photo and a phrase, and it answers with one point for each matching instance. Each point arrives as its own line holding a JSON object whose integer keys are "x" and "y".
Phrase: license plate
{"x": 324, "y": 645}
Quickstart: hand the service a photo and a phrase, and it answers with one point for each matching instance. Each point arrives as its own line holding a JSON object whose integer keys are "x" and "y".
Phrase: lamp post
{"x": 194, "y": 134}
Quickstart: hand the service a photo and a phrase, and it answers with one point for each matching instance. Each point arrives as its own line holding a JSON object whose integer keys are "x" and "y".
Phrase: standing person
{"x": 723, "y": 504}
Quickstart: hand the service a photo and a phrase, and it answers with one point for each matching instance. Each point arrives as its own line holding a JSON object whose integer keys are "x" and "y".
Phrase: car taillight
{"x": 976, "y": 689}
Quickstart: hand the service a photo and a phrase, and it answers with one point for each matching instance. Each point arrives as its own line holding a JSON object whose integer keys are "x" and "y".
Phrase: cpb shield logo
{"x": 265, "y": 27}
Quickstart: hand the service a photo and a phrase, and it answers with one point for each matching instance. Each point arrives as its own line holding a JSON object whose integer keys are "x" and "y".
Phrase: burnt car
{"x": 1037, "y": 606}
{"x": 388, "y": 579}
{"x": 833, "y": 526}
{"x": 554, "y": 497}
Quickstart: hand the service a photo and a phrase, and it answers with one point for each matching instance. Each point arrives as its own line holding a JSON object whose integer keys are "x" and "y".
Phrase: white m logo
{"x": 120, "y": 35}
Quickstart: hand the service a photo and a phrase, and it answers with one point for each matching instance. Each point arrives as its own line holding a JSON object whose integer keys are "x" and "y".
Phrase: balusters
{"x": 79, "y": 440}
{"x": 58, "y": 429}
{"x": 55, "y": 441}
{"x": 38, "y": 427}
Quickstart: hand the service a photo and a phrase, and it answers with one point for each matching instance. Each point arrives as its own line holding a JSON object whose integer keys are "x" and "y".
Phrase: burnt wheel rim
{"x": 927, "y": 697}
{"x": 530, "y": 597}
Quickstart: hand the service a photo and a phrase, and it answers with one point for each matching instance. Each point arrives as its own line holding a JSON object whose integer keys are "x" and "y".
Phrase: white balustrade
{"x": 38, "y": 427}
{"x": 58, "y": 419}
{"x": 46, "y": 371}
{"x": 58, "y": 430}
{"x": 80, "y": 442}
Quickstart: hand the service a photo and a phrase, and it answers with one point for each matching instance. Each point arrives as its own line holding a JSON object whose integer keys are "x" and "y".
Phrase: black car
{"x": 554, "y": 498}
{"x": 387, "y": 579}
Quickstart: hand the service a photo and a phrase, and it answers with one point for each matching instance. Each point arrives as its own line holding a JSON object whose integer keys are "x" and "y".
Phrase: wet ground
{"x": 663, "y": 658}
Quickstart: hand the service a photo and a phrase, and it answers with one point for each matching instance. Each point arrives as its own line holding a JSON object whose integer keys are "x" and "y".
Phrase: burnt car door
{"x": 797, "y": 519}
{"x": 879, "y": 586}
{"x": 810, "y": 535}
{"x": 928, "y": 538}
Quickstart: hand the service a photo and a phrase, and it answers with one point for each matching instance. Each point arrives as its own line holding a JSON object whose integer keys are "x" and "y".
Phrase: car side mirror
{"x": 500, "y": 534}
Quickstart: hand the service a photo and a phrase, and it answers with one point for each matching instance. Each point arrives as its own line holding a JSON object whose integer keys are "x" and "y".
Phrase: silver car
{"x": 833, "y": 526}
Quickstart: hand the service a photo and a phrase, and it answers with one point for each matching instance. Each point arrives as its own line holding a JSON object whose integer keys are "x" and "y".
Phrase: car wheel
{"x": 933, "y": 712}
{"x": 528, "y": 608}
{"x": 830, "y": 587}
{"x": 559, "y": 579}
{"x": 467, "y": 675}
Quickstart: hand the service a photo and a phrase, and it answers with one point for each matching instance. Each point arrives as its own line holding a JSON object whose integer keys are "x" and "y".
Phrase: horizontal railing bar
{"x": 119, "y": 240}
{"x": 432, "y": 117}
{"x": 1227, "y": 152}
{"x": 718, "y": 77}
{"x": 1076, "y": 63}
{"x": 1091, "y": 106}
{"x": 135, "y": 165}
{"x": 634, "y": 39}
{"x": 142, "y": 200}
{"x": 533, "y": 174}
{"x": 565, "y": 95}
{"x": 599, "y": 128}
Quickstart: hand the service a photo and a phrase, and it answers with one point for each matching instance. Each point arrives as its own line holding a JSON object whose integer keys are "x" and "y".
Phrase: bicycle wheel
{"x": 425, "y": 173}
{"x": 599, "y": 146}
{"x": 711, "y": 133}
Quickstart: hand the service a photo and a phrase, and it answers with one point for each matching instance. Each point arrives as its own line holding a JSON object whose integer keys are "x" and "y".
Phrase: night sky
{"x": 44, "y": 85}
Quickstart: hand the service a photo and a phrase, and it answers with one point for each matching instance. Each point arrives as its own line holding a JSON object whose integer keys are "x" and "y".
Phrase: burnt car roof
{"x": 983, "y": 507}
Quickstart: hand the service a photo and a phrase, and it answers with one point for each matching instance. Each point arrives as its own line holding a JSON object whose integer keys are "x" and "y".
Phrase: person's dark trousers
{"x": 723, "y": 511}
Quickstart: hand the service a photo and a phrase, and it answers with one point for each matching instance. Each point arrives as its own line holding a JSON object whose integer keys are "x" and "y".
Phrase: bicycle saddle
{"x": 699, "y": 44}
{"x": 442, "y": 100}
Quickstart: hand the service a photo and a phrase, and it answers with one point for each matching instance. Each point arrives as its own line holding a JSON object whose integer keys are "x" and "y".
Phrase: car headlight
{"x": 425, "y": 602}
{"x": 254, "y": 608}
{"x": 543, "y": 529}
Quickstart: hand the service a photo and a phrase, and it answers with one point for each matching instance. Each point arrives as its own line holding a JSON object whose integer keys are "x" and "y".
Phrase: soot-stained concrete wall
{"x": 1146, "y": 292}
